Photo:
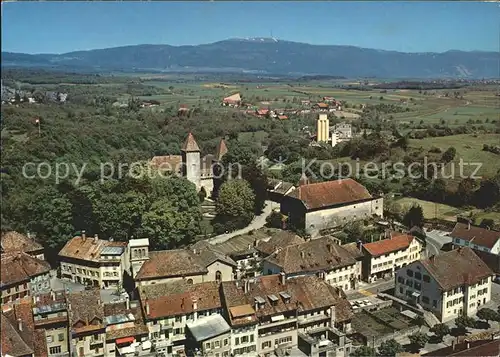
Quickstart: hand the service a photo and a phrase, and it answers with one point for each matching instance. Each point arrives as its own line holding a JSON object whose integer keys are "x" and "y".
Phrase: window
{"x": 218, "y": 276}
{"x": 401, "y": 279}
{"x": 54, "y": 350}
{"x": 434, "y": 303}
{"x": 266, "y": 344}
{"x": 418, "y": 275}
{"x": 61, "y": 337}
{"x": 50, "y": 339}
{"x": 401, "y": 290}
{"x": 409, "y": 272}
{"x": 207, "y": 345}
{"x": 190, "y": 281}
{"x": 244, "y": 339}
{"x": 237, "y": 341}
{"x": 251, "y": 338}
{"x": 178, "y": 318}
{"x": 425, "y": 299}
{"x": 225, "y": 342}
{"x": 418, "y": 286}
{"x": 427, "y": 278}
{"x": 467, "y": 243}
{"x": 217, "y": 344}
{"x": 457, "y": 240}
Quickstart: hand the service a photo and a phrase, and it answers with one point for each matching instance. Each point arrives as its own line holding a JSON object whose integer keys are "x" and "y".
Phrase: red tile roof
{"x": 190, "y": 144}
{"x": 322, "y": 105}
{"x": 88, "y": 248}
{"x": 176, "y": 298}
{"x": 85, "y": 307}
{"x": 457, "y": 267}
{"x": 330, "y": 193}
{"x": 167, "y": 163}
{"x": 18, "y": 266}
{"x": 14, "y": 241}
{"x": 221, "y": 150}
{"x": 12, "y": 342}
{"x": 24, "y": 341}
{"x": 384, "y": 246}
{"x": 262, "y": 111}
{"x": 476, "y": 235}
{"x": 280, "y": 240}
{"x": 170, "y": 263}
{"x": 306, "y": 293}
{"x": 315, "y": 255}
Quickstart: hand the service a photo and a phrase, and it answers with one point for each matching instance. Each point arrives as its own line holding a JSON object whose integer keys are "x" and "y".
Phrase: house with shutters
{"x": 449, "y": 284}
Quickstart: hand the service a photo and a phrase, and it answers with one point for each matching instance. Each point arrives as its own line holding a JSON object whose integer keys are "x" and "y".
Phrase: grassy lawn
{"x": 479, "y": 216}
{"x": 432, "y": 210}
{"x": 469, "y": 147}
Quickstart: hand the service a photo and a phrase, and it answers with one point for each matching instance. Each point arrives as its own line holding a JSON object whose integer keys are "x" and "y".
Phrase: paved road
{"x": 433, "y": 247}
{"x": 258, "y": 222}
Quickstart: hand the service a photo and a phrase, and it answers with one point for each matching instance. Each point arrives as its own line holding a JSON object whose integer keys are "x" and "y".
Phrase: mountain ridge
{"x": 269, "y": 55}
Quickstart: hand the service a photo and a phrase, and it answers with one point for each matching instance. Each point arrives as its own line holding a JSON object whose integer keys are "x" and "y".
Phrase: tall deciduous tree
{"x": 414, "y": 216}
{"x": 363, "y": 351}
{"x": 389, "y": 348}
{"x": 440, "y": 330}
{"x": 235, "y": 206}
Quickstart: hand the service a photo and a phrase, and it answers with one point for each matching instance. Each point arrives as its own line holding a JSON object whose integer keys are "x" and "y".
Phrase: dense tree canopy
{"x": 235, "y": 205}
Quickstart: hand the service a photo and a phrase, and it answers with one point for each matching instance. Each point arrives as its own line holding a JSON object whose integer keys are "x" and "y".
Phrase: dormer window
{"x": 273, "y": 299}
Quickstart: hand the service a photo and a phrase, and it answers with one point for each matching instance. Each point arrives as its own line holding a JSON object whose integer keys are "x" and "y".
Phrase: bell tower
{"x": 191, "y": 161}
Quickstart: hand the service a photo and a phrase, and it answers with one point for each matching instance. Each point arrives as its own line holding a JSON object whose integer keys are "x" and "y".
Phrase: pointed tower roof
{"x": 221, "y": 150}
{"x": 190, "y": 144}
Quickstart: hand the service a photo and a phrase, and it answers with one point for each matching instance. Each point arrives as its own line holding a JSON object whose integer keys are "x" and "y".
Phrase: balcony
{"x": 312, "y": 319}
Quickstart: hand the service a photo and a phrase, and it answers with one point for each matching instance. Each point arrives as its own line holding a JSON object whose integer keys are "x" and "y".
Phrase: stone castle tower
{"x": 191, "y": 161}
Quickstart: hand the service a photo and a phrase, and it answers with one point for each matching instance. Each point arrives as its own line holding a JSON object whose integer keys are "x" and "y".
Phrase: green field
{"x": 469, "y": 148}
{"x": 432, "y": 210}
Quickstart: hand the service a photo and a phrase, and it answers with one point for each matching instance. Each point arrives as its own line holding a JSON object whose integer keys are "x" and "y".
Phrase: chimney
{"x": 255, "y": 243}
{"x": 96, "y": 238}
{"x": 195, "y": 304}
{"x": 146, "y": 307}
{"x": 20, "y": 324}
{"x": 468, "y": 225}
{"x": 282, "y": 278}
{"x": 182, "y": 303}
{"x": 330, "y": 248}
{"x": 34, "y": 299}
{"x": 52, "y": 294}
{"x": 29, "y": 235}
{"x": 127, "y": 302}
{"x": 83, "y": 235}
{"x": 453, "y": 343}
{"x": 332, "y": 316}
{"x": 302, "y": 254}
{"x": 467, "y": 344}
{"x": 249, "y": 246}
{"x": 303, "y": 180}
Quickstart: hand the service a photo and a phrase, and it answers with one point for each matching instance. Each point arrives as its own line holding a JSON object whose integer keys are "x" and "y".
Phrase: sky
{"x": 59, "y": 27}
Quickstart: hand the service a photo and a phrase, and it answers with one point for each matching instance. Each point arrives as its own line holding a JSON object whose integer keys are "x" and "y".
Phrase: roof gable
{"x": 170, "y": 263}
{"x": 330, "y": 193}
{"x": 190, "y": 144}
{"x": 476, "y": 235}
{"x": 457, "y": 267}
{"x": 311, "y": 256}
{"x": 384, "y": 246}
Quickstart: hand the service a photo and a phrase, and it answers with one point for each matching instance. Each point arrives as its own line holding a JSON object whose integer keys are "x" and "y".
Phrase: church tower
{"x": 323, "y": 128}
{"x": 191, "y": 161}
